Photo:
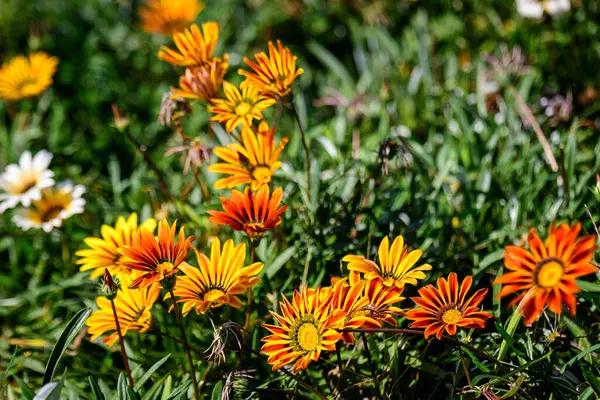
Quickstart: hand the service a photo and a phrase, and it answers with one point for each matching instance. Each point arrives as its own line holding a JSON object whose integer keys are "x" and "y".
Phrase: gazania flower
{"x": 56, "y": 204}
{"x": 396, "y": 265}
{"x": 537, "y": 8}
{"x": 381, "y": 301}
{"x": 195, "y": 47}
{"x": 447, "y": 307}
{"x": 24, "y": 182}
{"x": 253, "y": 161}
{"x": 545, "y": 274}
{"x": 104, "y": 252}
{"x": 24, "y": 77}
{"x": 307, "y": 327}
{"x": 239, "y": 108}
{"x": 273, "y": 74}
{"x": 133, "y": 310}
{"x": 158, "y": 258}
{"x": 168, "y": 16}
{"x": 202, "y": 83}
{"x": 217, "y": 280}
{"x": 352, "y": 301}
{"x": 252, "y": 213}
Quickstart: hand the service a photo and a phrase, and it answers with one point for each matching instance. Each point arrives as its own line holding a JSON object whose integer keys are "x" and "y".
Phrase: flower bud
{"x": 109, "y": 285}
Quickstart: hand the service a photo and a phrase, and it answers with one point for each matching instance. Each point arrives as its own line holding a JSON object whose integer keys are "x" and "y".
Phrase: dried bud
{"x": 120, "y": 122}
{"x": 109, "y": 285}
{"x": 238, "y": 381}
{"x": 227, "y": 336}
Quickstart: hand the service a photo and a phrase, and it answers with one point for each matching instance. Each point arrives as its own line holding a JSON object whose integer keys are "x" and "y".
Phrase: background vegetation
{"x": 411, "y": 132}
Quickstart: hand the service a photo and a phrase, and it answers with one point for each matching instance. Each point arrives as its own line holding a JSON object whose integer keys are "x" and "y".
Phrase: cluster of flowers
{"x": 45, "y": 204}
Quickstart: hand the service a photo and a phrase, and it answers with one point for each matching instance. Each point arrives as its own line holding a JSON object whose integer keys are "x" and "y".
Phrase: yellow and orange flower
{"x": 545, "y": 274}
{"x": 273, "y": 74}
{"x": 168, "y": 17}
{"x": 156, "y": 257}
{"x": 396, "y": 265}
{"x": 381, "y": 301}
{"x": 202, "y": 83}
{"x": 253, "y": 161}
{"x": 239, "y": 108}
{"x": 217, "y": 280}
{"x": 104, "y": 252}
{"x": 253, "y": 213}
{"x": 194, "y": 47}
{"x": 133, "y": 310}
{"x": 351, "y": 300}
{"x": 447, "y": 307}
{"x": 24, "y": 77}
{"x": 307, "y": 327}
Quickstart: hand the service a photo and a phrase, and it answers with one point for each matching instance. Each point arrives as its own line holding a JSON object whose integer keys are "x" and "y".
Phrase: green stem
{"x": 306, "y": 155}
{"x": 122, "y": 343}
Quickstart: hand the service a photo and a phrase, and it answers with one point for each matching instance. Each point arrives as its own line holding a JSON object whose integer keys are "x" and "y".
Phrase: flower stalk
{"x": 122, "y": 344}
{"x": 306, "y": 155}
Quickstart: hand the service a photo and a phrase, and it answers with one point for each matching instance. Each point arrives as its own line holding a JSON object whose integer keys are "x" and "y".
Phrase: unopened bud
{"x": 109, "y": 285}
{"x": 120, "y": 122}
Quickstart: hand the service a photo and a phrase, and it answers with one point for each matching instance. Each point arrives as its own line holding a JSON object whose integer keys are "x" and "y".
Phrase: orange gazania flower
{"x": 157, "y": 257}
{"x": 381, "y": 301}
{"x": 545, "y": 274}
{"x": 253, "y": 161}
{"x": 273, "y": 74}
{"x": 447, "y": 307}
{"x": 203, "y": 82}
{"x": 252, "y": 213}
{"x": 168, "y": 16}
{"x": 133, "y": 310}
{"x": 217, "y": 280}
{"x": 194, "y": 47}
{"x": 239, "y": 108}
{"x": 307, "y": 327}
{"x": 352, "y": 301}
{"x": 396, "y": 264}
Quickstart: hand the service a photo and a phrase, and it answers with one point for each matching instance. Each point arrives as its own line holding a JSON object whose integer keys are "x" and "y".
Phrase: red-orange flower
{"x": 253, "y": 213}
{"x": 157, "y": 257}
{"x": 381, "y": 300}
{"x": 447, "y": 307}
{"x": 195, "y": 47}
{"x": 203, "y": 82}
{"x": 352, "y": 301}
{"x": 545, "y": 274}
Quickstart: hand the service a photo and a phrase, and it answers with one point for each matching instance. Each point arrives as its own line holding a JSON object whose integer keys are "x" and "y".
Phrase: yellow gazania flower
{"x": 307, "y": 327}
{"x": 352, "y": 301}
{"x": 273, "y": 74}
{"x": 253, "y": 161}
{"x": 217, "y": 280}
{"x": 158, "y": 257}
{"x": 396, "y": 265}
{"x": 195, "y": 47}
{"x": 202, "y": 83}
{"x": 24, "y": 77}
{"x": 239, "y": 108}
{"x": 104, "y": 252}
{"x": 56, "y": 204}
{"x": 168, "y": 16}
{"x": 133, "y": 310}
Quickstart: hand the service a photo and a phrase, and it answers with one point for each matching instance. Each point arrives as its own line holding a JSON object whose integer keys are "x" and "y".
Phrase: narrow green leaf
{"x": 180, "y": 391}
{"x": 66, "y": 337}
{"x": 140, "y": 383}
{"x": 592, "y": 380}
{"x": 50, "y": 391}
{"x": 217, "y": 390}
{"x": 582, "y": 336}
{"x": 280, "y": 261}
{"x": 155, "y": 391}
{"x": 26, "y": 392}
{"x": 96, "y": 392}
{"x": 588, "y": 286}
{"x": 167, "y": 388}
{"x": 579, "y": 356}
{"x": 511, "y": 328}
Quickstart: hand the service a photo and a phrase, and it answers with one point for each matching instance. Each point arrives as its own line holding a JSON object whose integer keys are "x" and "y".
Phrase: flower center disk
{"x": 549, "y": 273}
{"x": 308, "y": 337}
{"x": 243, "y": 108}
{"x": 451, "y": 316}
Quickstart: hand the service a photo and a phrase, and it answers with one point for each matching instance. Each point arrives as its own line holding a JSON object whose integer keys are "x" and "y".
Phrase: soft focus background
{"x": 411, "y": 130}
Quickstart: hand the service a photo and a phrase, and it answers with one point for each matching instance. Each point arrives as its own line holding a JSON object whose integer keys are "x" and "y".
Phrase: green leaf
{"x": 140, "y": 383}
{"x": 180, "y": 391}
{"x": 334, "y": 65}
{"x": 217, "y": 390}
{"x": 582, "y": 336}
{"x": 124, "y": 392}
{"x": 280, "y": 261}
{"x": 26, "y": 392}
{"x": 95, "y": 388}
{"x": 66, "y": 337}
{"x": 511, "y": 328}
{"x": 155, "y": 391}
{"x": 50, "y": 391}
{"x": 588, "y": 286}
{"x": 592, "y": 380}
{"x": 579, "y": 356}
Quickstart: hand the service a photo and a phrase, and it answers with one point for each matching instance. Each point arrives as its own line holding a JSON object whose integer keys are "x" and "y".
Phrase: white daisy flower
{"x": 55, "y": 205}
{"x": 537, "y": 8}
{"x": 23, "y": 182}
